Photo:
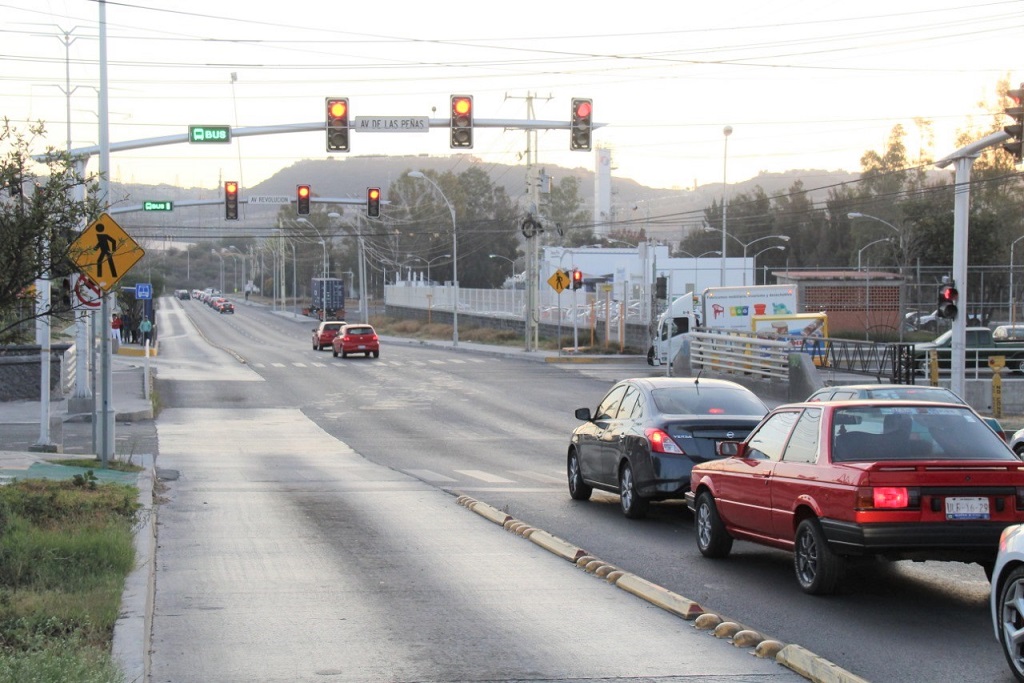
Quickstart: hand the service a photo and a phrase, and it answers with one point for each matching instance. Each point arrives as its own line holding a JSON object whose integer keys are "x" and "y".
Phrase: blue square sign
{"x": 143, "y": 290}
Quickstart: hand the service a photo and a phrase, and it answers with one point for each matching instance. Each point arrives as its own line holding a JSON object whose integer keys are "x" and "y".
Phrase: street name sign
{"x": 104, "y": 252}
{"x": 270, "y": 199}
{"x": 209, "y": 133}
{"x": 392, "y": 124}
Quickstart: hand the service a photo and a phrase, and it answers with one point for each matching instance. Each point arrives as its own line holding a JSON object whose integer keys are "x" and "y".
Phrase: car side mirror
{"x": 583, "y": 414}
{"x": 730, "y": 449}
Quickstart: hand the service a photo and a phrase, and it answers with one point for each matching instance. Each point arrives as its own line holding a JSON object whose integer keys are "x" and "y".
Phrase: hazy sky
{"x": 804, "y": 84}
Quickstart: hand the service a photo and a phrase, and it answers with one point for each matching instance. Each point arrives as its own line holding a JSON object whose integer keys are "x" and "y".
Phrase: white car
{"x": 1007, "y": 598}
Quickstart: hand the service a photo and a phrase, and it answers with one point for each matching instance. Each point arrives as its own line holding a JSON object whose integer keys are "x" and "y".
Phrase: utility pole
{"x": 532, "y": 228}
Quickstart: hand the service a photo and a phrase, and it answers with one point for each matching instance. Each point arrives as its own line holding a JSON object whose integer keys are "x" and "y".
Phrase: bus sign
{"x": 209, "y": 133}
{"x": 157, "y": 206}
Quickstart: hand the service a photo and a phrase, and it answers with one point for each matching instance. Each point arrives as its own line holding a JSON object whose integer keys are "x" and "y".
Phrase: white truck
{"x": 717, "y": 308}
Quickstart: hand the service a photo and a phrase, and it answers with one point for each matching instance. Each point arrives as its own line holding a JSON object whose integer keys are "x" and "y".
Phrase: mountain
{"x": 662, "y": 211}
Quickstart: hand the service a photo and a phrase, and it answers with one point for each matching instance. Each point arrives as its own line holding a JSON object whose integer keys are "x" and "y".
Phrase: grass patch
{"x": 65, "y": 551}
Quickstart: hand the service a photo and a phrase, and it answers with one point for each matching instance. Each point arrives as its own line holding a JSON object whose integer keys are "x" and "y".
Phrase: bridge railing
{"x": 740, "y": 353}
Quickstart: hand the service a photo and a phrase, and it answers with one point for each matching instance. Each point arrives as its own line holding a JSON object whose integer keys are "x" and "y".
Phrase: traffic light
{"x": 1015, "y": 145}
{"x": 302, "y": 200}
{"x": 661, "y": 288}
{"x": 577, "y": 278}
{"x": 462, "y": 121}
{"x": 582, "y": 124}
{"x": 231, "y": 200}
{"x": 337, "y": 124}
{"x": 373, "y": 202}
{"x": 947, "y": 301}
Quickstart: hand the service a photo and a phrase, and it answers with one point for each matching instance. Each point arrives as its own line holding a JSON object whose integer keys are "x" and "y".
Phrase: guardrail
{"x": 740, "y": 353}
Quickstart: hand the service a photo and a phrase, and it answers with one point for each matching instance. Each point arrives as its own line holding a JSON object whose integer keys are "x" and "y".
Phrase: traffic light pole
{"x": 962, "y": 160}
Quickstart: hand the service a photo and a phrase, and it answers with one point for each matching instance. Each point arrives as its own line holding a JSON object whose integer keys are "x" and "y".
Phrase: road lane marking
{"x": 485, "y": 476}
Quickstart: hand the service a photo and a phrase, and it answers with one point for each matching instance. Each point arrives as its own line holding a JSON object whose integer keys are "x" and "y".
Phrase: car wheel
{"x": 314, "y": 346}
{"x": 1010, "y": 623}
{"x": 376, "y": 354}
{"x": 578, "y": 489}
{"x": 344, "y": 355}
{"x": 334, "y": 352}
{"x": 817, "y": 568}
{"x": 634, "y": 506}
{"x": 650, "y": 356}
{"x": 712, "y": 538}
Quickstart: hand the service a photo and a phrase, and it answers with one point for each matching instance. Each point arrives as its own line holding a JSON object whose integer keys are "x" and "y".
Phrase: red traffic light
{"x": 461, "y": 121}
{"x": 948, "y": 297}
{"x": 302, "y": 193}
{"x": 231, "y": 200}
{"x": 581, "y": 125}
{"x": 373, "y": 202}
{"x": 577, "y": 278}
{"x": 337, "y": 124}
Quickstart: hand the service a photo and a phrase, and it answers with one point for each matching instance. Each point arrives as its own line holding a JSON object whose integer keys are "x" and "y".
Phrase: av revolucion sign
{"x": 209, "y": 133}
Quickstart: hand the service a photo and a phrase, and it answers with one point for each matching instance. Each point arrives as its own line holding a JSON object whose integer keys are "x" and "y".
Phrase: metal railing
{"x": 740, "y": 353}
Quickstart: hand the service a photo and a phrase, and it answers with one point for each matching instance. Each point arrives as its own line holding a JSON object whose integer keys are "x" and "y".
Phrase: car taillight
{"x": 661, "y": 442}
{"x": 888, "y": 498}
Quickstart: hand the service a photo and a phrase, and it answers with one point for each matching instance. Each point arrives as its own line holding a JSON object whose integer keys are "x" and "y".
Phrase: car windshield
{"x": 872, "y": 433}
{"x": 332, "y": 328}
{"x": 698, "y": 400}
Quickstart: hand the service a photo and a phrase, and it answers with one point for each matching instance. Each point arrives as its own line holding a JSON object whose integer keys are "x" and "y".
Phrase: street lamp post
{"x": 245, "y": 282}
{"x": 867, "y": 287}
{"x": 455, "y": 257}
{"x": 505, "y": 258}
{"x": 1013, "y": 305}
{"x": 727, "y": 131}
{"x": 856, "y": 214}
{"x": 776, "y": 246}
{"x": 323, "y": 244}
{"x": 745, "y": 245}
{"x": 217, "y": 254}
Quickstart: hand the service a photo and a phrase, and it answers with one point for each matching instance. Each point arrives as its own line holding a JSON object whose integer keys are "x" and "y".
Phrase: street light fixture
{"x": 323, "y": 244}
{"x": 505, "y": 258}
{"x": 861, "y": 250}
{"x": 1012, "y": 301}
{"x": 727, "y": 131}
{"x": 745, "y": 245}
{"x": 775, "y": 246}
{"x": 217, "y": 254}
{"x": 856, "y": 214}
{"x": 455, "y": 257}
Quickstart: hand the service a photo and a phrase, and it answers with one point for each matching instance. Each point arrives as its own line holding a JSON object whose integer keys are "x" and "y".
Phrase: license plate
{"x": 967, "y": 508}
{"x": 362, "y": 346}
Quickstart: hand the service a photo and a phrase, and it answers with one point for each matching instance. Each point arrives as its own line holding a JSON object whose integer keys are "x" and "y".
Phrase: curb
{"x": 794, "y": 657}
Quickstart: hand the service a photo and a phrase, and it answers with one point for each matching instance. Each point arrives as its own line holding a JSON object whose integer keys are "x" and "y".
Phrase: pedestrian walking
{"x": 115, "y": 327}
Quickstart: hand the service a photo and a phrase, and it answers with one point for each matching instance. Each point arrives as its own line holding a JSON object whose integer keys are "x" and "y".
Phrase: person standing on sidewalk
{"x": 145, "y": 328}
{"x": 115, "y": 327}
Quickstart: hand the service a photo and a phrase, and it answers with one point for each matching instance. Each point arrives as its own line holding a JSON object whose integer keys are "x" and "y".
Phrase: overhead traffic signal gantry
{"x": 462, "y": 122}
{"x": 231, "y": 200}
{"x": 948, "y": 297}
{"x": 1015, "y": 145}
{"x": 582, "y": 124}
{"x": 337, "y": 124}
{"x": 373, "y": 202}
{"x": 302, "y": 193}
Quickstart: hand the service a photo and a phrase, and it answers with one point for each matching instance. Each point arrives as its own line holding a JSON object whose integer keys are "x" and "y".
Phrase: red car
{"x": 356, "y": 339}
{"x": 325, "y": 332}
{"x": 836, "y": 480}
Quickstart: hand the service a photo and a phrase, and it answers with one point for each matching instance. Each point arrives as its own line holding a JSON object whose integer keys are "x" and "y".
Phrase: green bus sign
{"x": 158, "y": 206}
{"x": 209, "y": 133}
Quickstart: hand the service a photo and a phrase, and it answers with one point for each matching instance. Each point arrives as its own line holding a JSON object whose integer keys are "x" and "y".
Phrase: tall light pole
{"x": 1012, "y": 304}
{"x": 867, "y": 295}
{"x": 776, "y": 246}
{"x": 727, "y": 131}
{"x": 455, "y": 257}
{"x": 505, "y": 258}
{"x": 245, "y": 282}
{"x": 861, "y": 250}
{"x": 745, "y": 245}
{"x": 217, "y": 254}
{"x": 856, "y": 214}
{"x": 323, "y": 244}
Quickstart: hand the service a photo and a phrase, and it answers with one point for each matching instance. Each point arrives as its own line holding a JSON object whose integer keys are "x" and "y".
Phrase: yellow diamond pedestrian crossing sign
{"x": 105, "y": 252}
{"x": 559, "y": 280}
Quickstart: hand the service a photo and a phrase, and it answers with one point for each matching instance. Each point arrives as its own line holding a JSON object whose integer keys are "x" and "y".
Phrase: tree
{"x": 38, "y": 222}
